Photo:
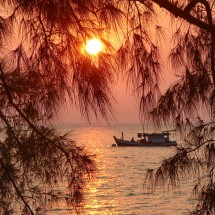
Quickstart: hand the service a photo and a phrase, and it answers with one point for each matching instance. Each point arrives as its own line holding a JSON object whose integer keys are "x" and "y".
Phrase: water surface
{"x": 118, "y": 185}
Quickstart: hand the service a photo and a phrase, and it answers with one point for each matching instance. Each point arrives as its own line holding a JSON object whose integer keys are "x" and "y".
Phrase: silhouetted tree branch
{"x": 44, "y": 66}
{"x": 184, "y": 14}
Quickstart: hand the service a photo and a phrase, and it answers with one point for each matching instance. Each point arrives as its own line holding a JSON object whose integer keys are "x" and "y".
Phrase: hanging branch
{"x": 178, "y": 12}
{"x": 187, "y": 9}
{"x": 16, "y": 188}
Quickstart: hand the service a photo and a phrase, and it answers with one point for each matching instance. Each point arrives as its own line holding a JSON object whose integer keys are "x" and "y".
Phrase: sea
{"x": 117, "y": 188}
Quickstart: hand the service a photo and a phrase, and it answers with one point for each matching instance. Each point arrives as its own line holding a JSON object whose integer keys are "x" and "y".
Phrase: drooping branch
{"x": 2, "y": 77}
{"x": 187, "y": 9}
{"x": 16, "y": 188}
{"x": 179, "y": 12}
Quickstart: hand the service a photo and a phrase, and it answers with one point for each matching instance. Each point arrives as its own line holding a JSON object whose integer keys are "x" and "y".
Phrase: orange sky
{"x": 126, "y": 108}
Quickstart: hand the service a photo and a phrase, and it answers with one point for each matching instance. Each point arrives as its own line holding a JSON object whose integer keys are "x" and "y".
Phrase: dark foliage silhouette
{"x": 42, "y": 66}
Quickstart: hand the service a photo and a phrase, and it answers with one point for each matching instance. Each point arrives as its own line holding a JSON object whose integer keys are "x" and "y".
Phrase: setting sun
{"x": 93, "y": 46}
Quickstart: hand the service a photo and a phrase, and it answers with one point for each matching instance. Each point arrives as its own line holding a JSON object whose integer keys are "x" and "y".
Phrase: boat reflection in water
{"x": 147, "y": 139}
{"x": 117, "y": 188}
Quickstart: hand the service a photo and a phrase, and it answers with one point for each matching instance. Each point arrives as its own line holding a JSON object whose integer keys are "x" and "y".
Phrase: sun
{"x": 93, "y": 46}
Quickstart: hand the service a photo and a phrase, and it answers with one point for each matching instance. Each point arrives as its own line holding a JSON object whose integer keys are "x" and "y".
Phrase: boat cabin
{"x": 154, "y": 137}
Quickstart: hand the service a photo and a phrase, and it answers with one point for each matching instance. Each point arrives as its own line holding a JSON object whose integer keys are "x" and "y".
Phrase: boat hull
{"x": 121, "y": 142}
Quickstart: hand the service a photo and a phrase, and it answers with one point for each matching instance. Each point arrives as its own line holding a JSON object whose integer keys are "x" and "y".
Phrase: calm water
{"x": 118, "y": 186}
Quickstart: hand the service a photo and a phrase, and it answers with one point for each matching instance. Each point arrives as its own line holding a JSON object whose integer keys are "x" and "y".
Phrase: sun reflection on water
{"x": 117, "y": 188}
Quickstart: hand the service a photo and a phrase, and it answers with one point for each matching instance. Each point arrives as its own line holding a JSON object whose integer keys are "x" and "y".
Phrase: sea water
{"x": 118, "y": 185}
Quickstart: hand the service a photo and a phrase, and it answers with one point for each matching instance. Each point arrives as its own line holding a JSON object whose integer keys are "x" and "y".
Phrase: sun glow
{"x": 93, "y": 46}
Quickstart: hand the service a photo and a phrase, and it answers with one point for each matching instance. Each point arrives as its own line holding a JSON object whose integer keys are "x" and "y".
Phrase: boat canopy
{"x": 153, "y": 134}
{"x": 154, "y": 137}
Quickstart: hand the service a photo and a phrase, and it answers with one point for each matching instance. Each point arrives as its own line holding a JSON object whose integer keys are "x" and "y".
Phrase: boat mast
{"x": 142, "y": 126}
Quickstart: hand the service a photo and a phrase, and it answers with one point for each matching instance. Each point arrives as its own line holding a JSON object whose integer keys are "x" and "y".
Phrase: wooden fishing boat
{"x": 147, "y": 139}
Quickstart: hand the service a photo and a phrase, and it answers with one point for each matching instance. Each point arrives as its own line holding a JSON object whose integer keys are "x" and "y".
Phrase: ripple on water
{"x": 118, "y": 187}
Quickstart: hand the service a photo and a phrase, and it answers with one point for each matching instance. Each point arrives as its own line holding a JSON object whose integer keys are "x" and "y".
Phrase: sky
{"x": 126, "y": 108}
